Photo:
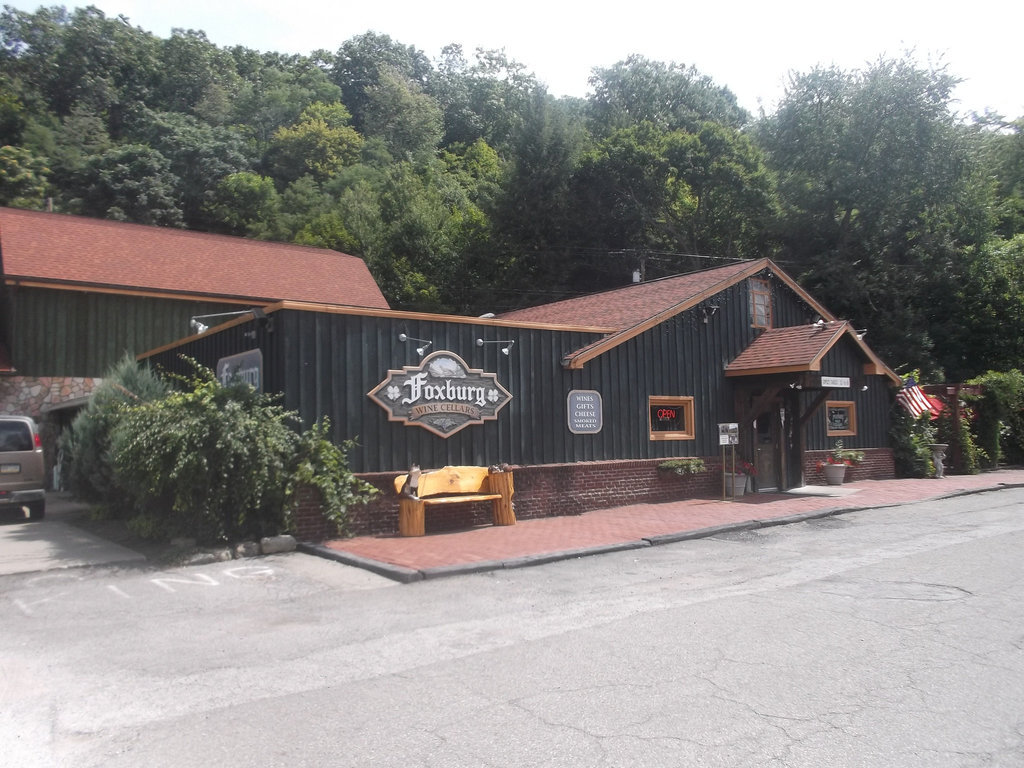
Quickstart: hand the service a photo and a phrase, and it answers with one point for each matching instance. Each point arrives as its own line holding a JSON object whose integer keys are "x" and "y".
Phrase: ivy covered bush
{"x": 999, "y": 420}
{"x": 910, "y": 438}
{"x": 221, "y": 463}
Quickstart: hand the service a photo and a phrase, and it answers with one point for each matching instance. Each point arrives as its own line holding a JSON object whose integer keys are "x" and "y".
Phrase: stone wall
{"x": 26, "y": 396}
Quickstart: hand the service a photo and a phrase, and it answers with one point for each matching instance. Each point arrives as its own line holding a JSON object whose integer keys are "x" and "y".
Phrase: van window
{"x": 15, "y": 436}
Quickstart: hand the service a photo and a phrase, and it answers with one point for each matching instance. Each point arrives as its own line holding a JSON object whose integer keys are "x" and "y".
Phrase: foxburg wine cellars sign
{"x": 441, "y": 394}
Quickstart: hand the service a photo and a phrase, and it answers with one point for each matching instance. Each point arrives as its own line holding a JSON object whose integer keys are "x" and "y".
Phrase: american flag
{"x": 913, "y": 399}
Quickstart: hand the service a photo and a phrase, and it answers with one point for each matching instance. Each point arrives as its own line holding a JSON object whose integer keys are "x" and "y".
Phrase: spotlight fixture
{"x": 709, "y": 312}
{"x": 197, "y": 326}
{"x": 819, "y": 323}
{"x": 424, "y": 344}
{"x": 862, "y": 333}
{"x": 509, "y": 343}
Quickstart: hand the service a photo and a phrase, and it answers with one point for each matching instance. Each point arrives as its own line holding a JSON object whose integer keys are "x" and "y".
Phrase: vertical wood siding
{"x": 72, "y": 333}
{"x": 324, "y": 364}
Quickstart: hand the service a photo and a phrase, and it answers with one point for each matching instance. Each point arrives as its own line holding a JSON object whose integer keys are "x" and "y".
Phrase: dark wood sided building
{"x": 77, "y": 294}
{"x": 584, "y": 397}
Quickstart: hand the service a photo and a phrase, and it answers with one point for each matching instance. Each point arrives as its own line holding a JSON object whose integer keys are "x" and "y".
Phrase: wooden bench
{"x": 454, "y": 485}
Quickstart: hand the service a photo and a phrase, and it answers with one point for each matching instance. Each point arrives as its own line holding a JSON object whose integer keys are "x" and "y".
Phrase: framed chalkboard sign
{"x": 840, "y": 418}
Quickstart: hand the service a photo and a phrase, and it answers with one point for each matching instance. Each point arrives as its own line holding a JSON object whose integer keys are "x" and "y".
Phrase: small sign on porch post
{"x": 729, "y": 434}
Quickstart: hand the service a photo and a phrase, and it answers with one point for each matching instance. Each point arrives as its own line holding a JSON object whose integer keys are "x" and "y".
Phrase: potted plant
{"x": 834, "y": 465}
{"x": 744, "y": 470}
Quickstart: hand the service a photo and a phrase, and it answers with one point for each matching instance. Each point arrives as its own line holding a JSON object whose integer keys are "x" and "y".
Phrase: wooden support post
{"x": 504, "y": 513}
{"x": 410, "y": 517}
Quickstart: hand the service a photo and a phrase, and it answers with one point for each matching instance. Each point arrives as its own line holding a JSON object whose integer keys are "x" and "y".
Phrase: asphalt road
{"x": 889, "y": 638}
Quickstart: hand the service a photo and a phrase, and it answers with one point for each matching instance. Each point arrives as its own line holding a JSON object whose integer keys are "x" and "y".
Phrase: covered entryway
{"x": 779, "y": 387}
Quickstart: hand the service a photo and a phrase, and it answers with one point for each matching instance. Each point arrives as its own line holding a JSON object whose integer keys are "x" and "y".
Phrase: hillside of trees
{"x": 467, "y": 188}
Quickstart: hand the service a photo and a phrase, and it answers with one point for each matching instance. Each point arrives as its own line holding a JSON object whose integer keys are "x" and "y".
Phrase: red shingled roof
{"x": 49, "y": 247}
{"x": 796, "y": 348}
{"x": 625, "y": 307}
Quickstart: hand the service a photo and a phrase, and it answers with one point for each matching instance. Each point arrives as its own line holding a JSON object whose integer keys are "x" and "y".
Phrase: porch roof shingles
{"x": 795, "y": 348}
{"x": 57, "y": 248}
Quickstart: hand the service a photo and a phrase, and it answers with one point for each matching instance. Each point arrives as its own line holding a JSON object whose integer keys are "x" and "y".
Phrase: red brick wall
{"x": 551, "y": 490}
{"x": 877, "y": 465}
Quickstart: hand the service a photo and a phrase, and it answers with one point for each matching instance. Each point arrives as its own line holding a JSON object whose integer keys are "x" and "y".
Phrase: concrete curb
{"x": 396, "y": 572}
{"x": 407, "y": 575}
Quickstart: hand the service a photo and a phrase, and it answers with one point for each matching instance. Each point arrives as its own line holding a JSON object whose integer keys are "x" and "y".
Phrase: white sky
{"x": 747, "y": 45}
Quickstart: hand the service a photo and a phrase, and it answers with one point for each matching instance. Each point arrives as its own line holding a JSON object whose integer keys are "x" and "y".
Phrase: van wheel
{"x": 37, "y": 510}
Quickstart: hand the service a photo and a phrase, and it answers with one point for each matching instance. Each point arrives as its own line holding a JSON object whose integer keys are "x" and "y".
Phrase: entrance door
{"x": 766, "y": 442}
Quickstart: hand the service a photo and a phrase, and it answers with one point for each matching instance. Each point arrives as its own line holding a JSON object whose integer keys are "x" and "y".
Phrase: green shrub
{"x": 686, "y": 466}
{"x": 910, "y": 438}
{"x": 88, "y": 467}
{"x": 968, "y": 457}
{"x": 999, "y": 416}
{"x": 222, "y": 463}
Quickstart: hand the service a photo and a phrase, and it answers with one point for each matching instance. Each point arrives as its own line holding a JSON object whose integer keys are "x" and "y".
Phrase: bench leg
{"x": 410, "y": 518}
{"x": 504, "y": 514}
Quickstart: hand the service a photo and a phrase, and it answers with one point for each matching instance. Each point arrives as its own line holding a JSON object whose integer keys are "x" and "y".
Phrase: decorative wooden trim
{"x": 338, "y": 309}
{"x": 851, "y": 408}
{"x": 773, "y": 370}
{"x": 686, "y": 404}
{"x": 89, "y": 288}
{"x": 762, "y": 287}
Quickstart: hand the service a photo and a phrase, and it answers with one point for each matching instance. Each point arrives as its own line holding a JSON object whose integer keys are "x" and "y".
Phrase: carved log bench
{"x": 453, "y": 485}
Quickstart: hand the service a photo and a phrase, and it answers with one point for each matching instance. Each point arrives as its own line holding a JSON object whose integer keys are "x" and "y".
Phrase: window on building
{"x": 840, "y": 418}
{"x": 671, "y": 418}
{"x": 760, "y": 303}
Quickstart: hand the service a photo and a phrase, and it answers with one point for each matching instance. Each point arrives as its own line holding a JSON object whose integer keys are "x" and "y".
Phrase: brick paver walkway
{"x": 622, "y": 525}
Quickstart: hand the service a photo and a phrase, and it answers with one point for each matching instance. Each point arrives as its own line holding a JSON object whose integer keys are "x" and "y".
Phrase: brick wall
{"x": 540, "y": 491}
{"x": 552, "y": 490}
{"x": 878, "y": 464}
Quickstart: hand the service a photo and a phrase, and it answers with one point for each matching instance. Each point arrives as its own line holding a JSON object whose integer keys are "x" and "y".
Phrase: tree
{"x": 668, "y": 96}
{"x": 878, "y": 197}
{"x": 486, "y": 100}
{"x": 130, "y": 182}
{"x": 244, "y": 204}
{"x": 22, "y": 178}
{"x": 319, "y": 144}
{"x": 407, "y": 120}
{"x": 199, "y": 156}
{"x": 364, "y": 60}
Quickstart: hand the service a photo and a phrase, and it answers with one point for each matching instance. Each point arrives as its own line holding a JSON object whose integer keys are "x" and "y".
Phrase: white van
{"x": 22, "y": 468}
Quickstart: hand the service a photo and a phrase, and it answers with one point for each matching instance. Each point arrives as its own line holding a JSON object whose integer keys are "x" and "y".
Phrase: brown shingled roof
{"x": 784, "y": 350}
{"x": 627, "y": 306}
{"x": 56, "y": 248}
{"x": 801, "y": 348}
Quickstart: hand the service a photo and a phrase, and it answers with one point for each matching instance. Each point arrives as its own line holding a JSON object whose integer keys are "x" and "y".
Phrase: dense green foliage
{"x": 206, "y": 461}
{"x": 910, "y": 438}
{"x": 89, "y": 467}
{"x": 467, "y": 188}
{"x": 999, "y": 416}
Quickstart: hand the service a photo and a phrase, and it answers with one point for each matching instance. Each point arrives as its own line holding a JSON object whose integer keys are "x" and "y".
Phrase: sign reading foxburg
{"x": 441, "y": 394}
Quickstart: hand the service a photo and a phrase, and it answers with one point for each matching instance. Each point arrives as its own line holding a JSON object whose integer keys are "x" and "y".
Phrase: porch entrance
{"x": 767, "y": 447}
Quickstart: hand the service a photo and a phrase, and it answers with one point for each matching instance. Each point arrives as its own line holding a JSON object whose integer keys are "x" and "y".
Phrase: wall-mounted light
{"x": 709, "y": 311}
{"x": 424, "y": 344}
{"x": 197, "y": 326}
{"x": 864, "y": 388}
{"x": 862, "y": 333}
{"x": 509, "y": 343}
{"x": 819, "y": 323}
